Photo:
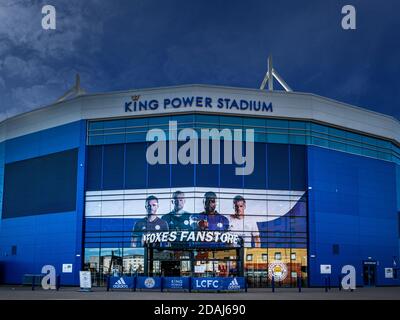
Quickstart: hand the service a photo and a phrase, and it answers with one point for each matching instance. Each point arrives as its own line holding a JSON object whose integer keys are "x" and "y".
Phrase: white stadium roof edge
{"x": 286, "y": 105}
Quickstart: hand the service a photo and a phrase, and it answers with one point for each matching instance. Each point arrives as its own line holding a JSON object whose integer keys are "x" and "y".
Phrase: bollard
{"x": 329, "y": 283}
{"x": 58, "y": 282}
{"x": 108, "y": 283}
{"x": 273, "y": 284}
{"x": 340, "y": 283}
{"x": 162, "y": 284}
{"x": 134, "y": 283}
{"x": 326, "y": 284}
{"x": 190, "y": 284}
{"x": 245, "y": 284}
{"x": 299, "y": 283}
{"x": 33, "y": 283}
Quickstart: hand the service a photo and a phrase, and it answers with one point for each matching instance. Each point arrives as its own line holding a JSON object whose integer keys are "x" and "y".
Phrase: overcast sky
{"x": 127, "y": 44}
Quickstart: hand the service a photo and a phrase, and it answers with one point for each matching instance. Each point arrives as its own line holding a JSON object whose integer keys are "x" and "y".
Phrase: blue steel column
{"x": 80, "y": 202}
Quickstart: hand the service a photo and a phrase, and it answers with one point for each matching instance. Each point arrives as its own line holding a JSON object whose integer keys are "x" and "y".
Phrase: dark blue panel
{"x": 278, "y": 166}
{"x": 40, "y": 185}
{"x": 135, "y": 166}
{"x": 298, "y": 167}
{"x": 207, "y": 175}
{"x": 182, "y": 175}
{"x": 159, "y": 176}
{"x": 94, "y": 168}
{"x": 227, "y": 172}
{"x": 257, "y": 180}
{"x": 113, "y": 167}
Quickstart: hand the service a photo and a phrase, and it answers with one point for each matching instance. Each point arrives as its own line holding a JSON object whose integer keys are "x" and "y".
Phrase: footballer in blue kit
{"x": 178, "y": 219}
{"x": 151, "y": 223}
{"x": 210, "y": 219}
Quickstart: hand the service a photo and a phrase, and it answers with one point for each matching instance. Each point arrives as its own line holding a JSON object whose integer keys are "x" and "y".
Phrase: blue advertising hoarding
{"x": 148, "y": 282}
{"x": 215, "y": 283}
{"x": 182, "y": 283}
{"x": 122, "y": 282}
{"x": 176, "y": 283}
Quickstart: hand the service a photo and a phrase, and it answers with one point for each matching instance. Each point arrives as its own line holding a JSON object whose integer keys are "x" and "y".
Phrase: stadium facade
{"x": 77, "y": 189}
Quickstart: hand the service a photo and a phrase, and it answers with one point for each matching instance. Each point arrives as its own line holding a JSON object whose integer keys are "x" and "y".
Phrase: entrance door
{"x": 171, "y": 268}
{"x": 369, "y": 273}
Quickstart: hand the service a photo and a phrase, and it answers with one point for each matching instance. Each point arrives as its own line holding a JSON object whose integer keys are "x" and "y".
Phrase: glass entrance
{"x": 216, "y": 263}
{"x": 195, "y": 263}
{"x": 369, "y": 273}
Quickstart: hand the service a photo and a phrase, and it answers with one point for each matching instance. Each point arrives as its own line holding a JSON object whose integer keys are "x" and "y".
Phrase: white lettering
{"x": 49, "y": 20}
{"x": 349, "y": 280}
{"x": 349, "y": 20}
{"x": 49, "y": 280}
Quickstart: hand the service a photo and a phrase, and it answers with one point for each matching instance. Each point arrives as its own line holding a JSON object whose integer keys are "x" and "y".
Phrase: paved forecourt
{"x": 25, "y": 293}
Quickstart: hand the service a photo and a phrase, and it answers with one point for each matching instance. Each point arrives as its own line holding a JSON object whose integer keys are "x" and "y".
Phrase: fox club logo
{"x": 149, "y": 283}
{"x": 278, "y": 270}
{"x": 120, "y": 284}
{"x": 234, "y": 285}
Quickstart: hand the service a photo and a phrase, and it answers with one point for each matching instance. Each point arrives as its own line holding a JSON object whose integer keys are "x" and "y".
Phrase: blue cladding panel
{"x": 53, "y": 238}
{"x": 40, "y": 240}
{"x": 44, "y": 142}
{"x": 352, "y": 203}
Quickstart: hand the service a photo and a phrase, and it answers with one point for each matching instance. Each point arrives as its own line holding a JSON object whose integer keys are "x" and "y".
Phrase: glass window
{"x": 96, "y": 140}
{"x": 293, "y": 256}
{"x": 113, "y": 167}
{"x": 136, "y": 130}
{"x": 114, "y": 124}
{"x": 207, "y": 119}
{"x": 264, "y": 257}
{"x": 96, "y": 125}
{"x": 254, "y": 122}
{"x": 94, "y": 168}
{"x": 158, "y": 121}
{"x": 278, "y": 166}
{"x": 319, "y": 135}
{"x": 182, "y": 175}
{"x": 249, "y": 257}
{"x": 257, "y": 180}
{"x": 274, "y": 123}
{"x": 298, "y": 167}
{"x": 135, "y": 166}
{"x": 277, "y": 131}
{"x": 278, "y": 256}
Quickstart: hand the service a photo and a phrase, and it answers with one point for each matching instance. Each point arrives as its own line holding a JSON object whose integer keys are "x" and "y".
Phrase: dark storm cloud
{"x": 117, "y": 45}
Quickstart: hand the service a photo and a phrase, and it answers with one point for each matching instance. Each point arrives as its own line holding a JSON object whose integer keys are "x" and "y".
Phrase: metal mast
{"x": 269, "y": 77}
{"x": 75, "y": 91}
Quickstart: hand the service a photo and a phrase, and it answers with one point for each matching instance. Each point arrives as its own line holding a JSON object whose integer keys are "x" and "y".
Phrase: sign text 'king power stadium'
{"x": 137, "y": 105}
